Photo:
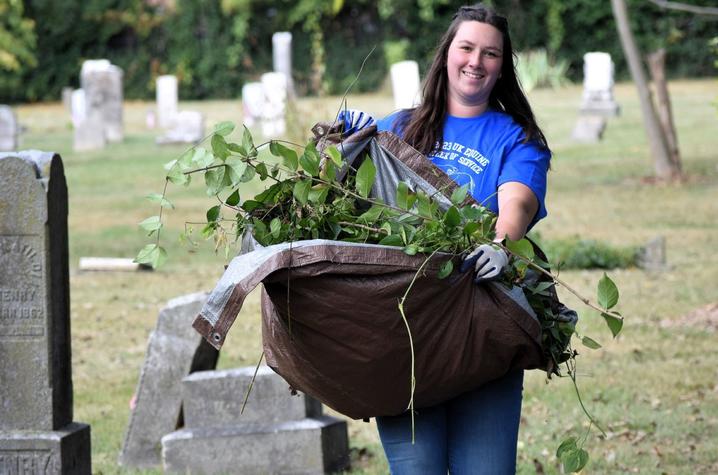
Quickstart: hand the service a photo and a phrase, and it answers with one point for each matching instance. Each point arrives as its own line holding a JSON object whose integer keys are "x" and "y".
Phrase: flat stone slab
{"x": 214, "y": 399}
{"x": 174, "y": 350}
{"x": 306, "y": 447}
{"x": 65, "y": 451}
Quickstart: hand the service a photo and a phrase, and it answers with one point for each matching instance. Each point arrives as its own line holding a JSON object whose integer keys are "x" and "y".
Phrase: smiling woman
{"x": 476, "y": 126}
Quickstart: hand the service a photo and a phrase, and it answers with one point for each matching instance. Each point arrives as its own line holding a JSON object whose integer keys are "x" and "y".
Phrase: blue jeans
{"x": 474, "y": 433}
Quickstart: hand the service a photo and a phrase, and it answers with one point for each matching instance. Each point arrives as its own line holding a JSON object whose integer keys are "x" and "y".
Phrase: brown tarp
{"x": 331, "y": 325}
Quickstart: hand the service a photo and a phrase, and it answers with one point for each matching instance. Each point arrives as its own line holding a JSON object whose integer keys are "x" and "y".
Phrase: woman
{"x": 476, "y": 125}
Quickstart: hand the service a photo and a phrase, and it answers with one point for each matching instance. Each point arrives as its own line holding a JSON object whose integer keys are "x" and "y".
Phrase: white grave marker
{"x": 282, "y": 57}
{"x": 166, "y": 100}
{"x": 274, "y": 86}
{"x": 598, "y": 72}
{"x": 406, "y": 84}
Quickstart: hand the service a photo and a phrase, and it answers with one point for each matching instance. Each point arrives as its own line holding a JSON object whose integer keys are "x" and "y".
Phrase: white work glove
{"x": 488, "y": 261}
{"x": 354, "y": 120}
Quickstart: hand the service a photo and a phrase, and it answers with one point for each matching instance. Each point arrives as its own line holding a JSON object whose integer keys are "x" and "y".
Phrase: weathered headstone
{"x": 589, "y": 128}
{"x": 282, "y": 57}
{"x": 166, "y": 100}
{"x": 67, "y": 98}
{"x": 277, "y": 433}
{"x": 274, "y": 86}
{"x": 8, "y": 129}
{"x": 598, "y": 72}
{"x": 37, "y": 434}
{"x": 185, "y": 127}
{"x": 652, "y": 256}
{"x": 102, "y": 83}
{"x": 252, "y": 103}
{"x": 174, "y": 351}
{"x": 87, "y": 134}
{"x": 215, "y": 398}
{"x": 406, "y": 84}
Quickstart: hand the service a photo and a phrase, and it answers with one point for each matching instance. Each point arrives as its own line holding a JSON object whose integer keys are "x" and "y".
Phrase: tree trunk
{"x": 656, "y": 64}
{"x": 663, "y": 166}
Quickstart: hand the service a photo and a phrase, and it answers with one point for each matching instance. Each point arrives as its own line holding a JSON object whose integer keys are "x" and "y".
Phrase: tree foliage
{"x": 215, "y": 46}
{"x": 17, "y": 45}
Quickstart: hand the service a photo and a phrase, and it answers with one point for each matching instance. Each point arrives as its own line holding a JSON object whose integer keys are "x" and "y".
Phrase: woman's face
{"x": 473, "y": 65}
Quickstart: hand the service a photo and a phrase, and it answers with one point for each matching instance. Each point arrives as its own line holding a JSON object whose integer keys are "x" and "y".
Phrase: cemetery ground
{"x": 654, "y": 389}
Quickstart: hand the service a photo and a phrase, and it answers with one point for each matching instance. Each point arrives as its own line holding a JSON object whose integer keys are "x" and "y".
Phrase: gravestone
{"x": 282, "y": 57}
{"x": 102, "y": 83}
{"x": 274, "y": 86}
{"x": 652, "y": 256}
{"x": 589, "y": 128}
{"x": 166, "y": 100}
{"x": 87, "y": 134}
{"x": 8, "y": 129}
{"x": 252, "y": 103}
{"x": 37, "y": 434}
{"x": 277, "y": 433}
{"x": 185, "y": 127}
{"x": 406, "y": 84}
{"x": 174, "y": 350}
{"x": 598, "y": 73}
{"x": 67, "y": 99}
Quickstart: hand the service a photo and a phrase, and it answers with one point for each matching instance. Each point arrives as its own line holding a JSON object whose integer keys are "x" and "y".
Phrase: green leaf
{"x": 329, "y": 171}
{"x": 219, "y": 147}
{"x": 614, "y": 324}
{"x": 446, "y": 269}
{"x": 335, "y": 156}
{"x": 152, "y": 255}
{"x": 574, "y": 460}
{"x": 235, "y": 168}
{"x": 158, "y": 198}
{"x": 185, "y": 160}
{"x": 233, "y": 199}
{"x": 522, "y": 247}
{"x": 452, "y": 217}
{"x": 248, "y": 142}
{"x": 590, "y": 343}
{"x": 459, "y": 195}
{"x": 202, "y": 158}
{"x": 372, "y": 215}
{"x": 213, "y": 214}
{"x": 151, "y": 224}
{"x": 261, "y": 169}
{"x": 289, "y": 156}
{"x": 275, "y": 227}
{"x": 567, "y": 445}
{"x": 248, "y": 175}
{"x": 365, "y": 177}
{"x": 607, "y": 292}
{"x": 169, "y": 165}
{"x": 224, "y": 128}
{"x": 177, "y": 176}
{"x": 424, "y": 204}
{"x": 402, "y": 195}
{"x": 392, "y": 240}
{"x": 310, "y": 160}
{"x": 318, "y": 194}
{"x": 471, "y": 227}
{"x": 251, "y": 205}
{"x": 301, "y": 191}
{"x": 214, "y": 180}
{"x": 411, "y": 249}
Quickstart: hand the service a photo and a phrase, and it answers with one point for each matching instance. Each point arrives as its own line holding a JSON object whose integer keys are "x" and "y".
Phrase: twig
{"x": 710, "y": 11}
{"x": 251, "y": 384}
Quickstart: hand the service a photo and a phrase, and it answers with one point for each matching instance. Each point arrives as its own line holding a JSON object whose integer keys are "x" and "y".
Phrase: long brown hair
{"x": 423, "y": 125}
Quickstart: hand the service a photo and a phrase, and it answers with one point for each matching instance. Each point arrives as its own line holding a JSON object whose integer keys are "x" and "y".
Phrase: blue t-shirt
{"x": 485, "y": 152}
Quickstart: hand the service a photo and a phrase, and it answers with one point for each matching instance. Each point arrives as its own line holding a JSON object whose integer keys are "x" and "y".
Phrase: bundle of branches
{"x": 318, "y": 194}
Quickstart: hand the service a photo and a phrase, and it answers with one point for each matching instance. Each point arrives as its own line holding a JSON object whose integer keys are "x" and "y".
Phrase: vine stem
{"x": 583, "y": 299}
{"x": 251, "y": 383}
{"x": 572, "y": 375}
{"x": 412, "y": 379}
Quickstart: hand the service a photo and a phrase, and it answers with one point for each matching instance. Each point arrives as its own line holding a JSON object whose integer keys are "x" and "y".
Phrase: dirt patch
{"x": 705, "y": 317}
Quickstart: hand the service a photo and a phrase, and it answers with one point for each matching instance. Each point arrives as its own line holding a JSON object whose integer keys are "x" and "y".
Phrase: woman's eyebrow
{"x": 471, "y": 43}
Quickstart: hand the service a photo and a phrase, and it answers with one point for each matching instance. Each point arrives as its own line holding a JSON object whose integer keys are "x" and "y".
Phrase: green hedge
{"x": 215, "y": 46}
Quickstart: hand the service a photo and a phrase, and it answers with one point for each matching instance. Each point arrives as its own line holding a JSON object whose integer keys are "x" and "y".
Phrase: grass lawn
{"x": 654, "y": 389}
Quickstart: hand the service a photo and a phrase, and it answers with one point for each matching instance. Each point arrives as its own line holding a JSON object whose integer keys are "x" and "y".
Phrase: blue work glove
{"x": 354, "y": 120}
{"x": 488, "y": 261}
